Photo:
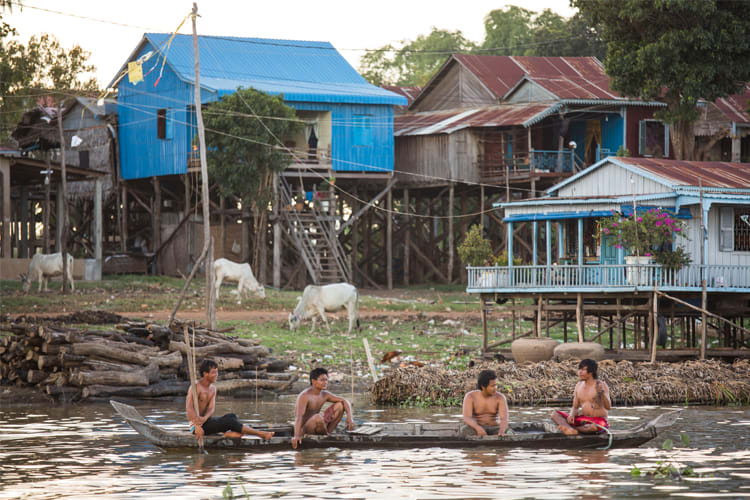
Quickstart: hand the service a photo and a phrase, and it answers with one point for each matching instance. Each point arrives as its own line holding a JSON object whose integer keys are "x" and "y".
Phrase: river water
{"x": 84, "y": 451}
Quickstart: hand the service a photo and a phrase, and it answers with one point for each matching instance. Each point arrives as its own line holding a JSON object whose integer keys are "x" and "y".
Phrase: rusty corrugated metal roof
{"x": 565, "y": 77}
{"x": 447, "y": 121}
{"x": 734, "y": 107}
{"x": 711, "y": 174}
{"x": 409, "y": 92}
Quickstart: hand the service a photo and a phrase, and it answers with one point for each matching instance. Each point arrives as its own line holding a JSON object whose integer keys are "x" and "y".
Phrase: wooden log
{"x": 219, "y": 348}
{"x": 57, "y": 378}
{"x": 229, "y": 363}
{"x": 110, "y": 352}
{"x": 68, "y": 360}
{"x": 48, "y": 362}
{"x": 168, "y": 360}
{"x": 117, "y": 378}
{"x": 34, "y": 377}
{"x": 251, "y": 374}
{"x": 165, "y": 388}
{"x": 52, "y": 337}
{"x": 63, "y": 392}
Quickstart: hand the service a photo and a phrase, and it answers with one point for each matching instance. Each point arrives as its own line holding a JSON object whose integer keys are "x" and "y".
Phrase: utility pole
{"x": 207, "y": 243}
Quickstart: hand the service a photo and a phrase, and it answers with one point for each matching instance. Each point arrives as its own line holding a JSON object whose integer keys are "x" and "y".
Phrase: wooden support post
{"x": 354, "y": 255}
{"x": 156, "y": 210}
{"x": 538, "y": 325}
{"x": 389, "y": 238}
{"x": 98, "y": 228}
{"x": 124, "y": 219}
{"x": 24, "y": 216}
{"x": 513, "y": 317}
{"x": 565, "y": 327}
{"x": 5, "y": 171}
{"x": 223, "y": 233}
{"x": 649, "y": 329}
{"x": 451, "y": 200}
{"x": 618, "y": 317}
{"x": 704, "y": 303}
{"x": 484, "y": 323}
{"x": 481, "y": 206}
{"x": 579, "y": 317}
{"x": 654, "y": 324}
{"x": 48, "y": 203}
{"x": 276, "y": 279}
{"x": 60, "y": 206}
{"x": 546, "y": 316}
{"x": 407, "y": 223}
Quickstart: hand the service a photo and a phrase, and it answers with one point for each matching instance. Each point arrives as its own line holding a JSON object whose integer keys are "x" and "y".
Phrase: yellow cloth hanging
{"x": 135, "y": 72}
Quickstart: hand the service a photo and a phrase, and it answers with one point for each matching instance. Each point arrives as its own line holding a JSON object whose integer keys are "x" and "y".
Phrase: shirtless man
{"x": 308, "y": 419}
{"x": 485, "y": 410}
{"x": 592, "y": 396}
{"x": 204, "y": 422}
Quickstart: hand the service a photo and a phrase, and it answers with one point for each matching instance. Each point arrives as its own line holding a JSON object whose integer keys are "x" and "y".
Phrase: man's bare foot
{"x": 567, "y": 430}
{"x": 266, "y": 435}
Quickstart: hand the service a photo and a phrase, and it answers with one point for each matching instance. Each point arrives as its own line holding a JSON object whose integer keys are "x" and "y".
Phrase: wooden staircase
{"x": 314, "y": 235}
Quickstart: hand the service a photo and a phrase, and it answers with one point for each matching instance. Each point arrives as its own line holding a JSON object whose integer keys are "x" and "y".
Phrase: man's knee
{"x": 338, "y": 408}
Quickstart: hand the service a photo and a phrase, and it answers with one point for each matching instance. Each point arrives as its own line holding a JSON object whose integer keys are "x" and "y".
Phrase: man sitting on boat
{"x": 204, "y": 422}
{"x": 485, "y": 409}
{"x": 308, "y": 419}
{"x": 592, "y": 397}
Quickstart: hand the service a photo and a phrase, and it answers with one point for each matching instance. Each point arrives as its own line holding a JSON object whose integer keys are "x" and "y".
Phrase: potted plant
{"x": 642, "y": 235}
{"x": 672, "y": 261}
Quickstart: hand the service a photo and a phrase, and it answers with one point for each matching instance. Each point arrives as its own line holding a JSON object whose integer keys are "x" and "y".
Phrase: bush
{"x": 644, "y": 232}
{"x": 502, "y": 259}
{"x": 673, "y": 259}
{"x": 475, "y": 250}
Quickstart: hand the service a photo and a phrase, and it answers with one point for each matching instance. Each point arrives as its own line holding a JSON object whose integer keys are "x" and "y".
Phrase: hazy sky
{"x": 349, "y": 24}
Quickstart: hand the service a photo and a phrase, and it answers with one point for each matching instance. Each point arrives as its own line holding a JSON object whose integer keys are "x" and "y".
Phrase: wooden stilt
{"x": 654, "y": 324}
{"x": 407, "y": 223}
{"x": 156, "y": 210}
{"x": 124, "y": 228}
{"x": 579, "y": 317}
{"x": 704, "y": 302}
{"x": 538, "y": 322}
{"x": 389, "y": 239}
{"x": 484, "y": 323}
{"x": 618, "y": 316}
{"x": 451, "y": 200}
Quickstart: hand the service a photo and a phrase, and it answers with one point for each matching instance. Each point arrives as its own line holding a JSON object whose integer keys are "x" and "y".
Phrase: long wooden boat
{"x": 405, "y": 435}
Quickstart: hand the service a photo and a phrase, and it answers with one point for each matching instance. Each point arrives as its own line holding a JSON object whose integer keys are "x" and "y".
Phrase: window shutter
{"x": 168, "y": 125}
{"x": 726, "y": 228}
{"x": 642, "y": 137}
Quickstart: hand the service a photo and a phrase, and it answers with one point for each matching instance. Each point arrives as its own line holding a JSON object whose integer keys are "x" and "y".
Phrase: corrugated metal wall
{"x": 609, "y": 180}
{"x": 714, "y": 255}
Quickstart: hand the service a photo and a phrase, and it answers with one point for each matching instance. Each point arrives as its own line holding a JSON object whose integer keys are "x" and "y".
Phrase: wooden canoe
{"x": 404, "y": 435}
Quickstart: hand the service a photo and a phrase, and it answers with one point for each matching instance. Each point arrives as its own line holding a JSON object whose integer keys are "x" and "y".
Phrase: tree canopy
{"x": 40, "y": 67}
{"x": 509, "y": 31}
{"x": 243, "y": 131}
{"x": 678, "y": 51}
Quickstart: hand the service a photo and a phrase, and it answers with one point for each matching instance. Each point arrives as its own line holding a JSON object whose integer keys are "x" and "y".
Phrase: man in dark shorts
{"x": 485, "y": 410}
{"x": 308, "y": 419}
{"x": 592, "y": 396}
{"x": 204, "y": 423}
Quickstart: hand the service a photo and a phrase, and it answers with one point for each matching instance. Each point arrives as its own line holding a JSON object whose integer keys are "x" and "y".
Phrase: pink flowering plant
{"x": 646, "y": 233}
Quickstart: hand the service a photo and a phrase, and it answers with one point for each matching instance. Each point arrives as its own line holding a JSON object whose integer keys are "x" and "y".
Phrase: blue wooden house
{"x": 347, "y": 135}
{"x": 351, "y": 120}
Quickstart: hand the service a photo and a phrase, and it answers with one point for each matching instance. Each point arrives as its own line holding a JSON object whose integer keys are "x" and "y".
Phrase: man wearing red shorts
{"x": 308, "y": 419}
{"x": 592, "y": 397}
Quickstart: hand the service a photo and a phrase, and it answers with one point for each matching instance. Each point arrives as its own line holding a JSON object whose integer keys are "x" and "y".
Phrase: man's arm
{"x": 299, "y": 412}
{"x": 347, "y": 408}
{"x": 503, "y": 413}
{"x": 469, "y": 415}
{"x": 602, "y": 395}
{"x": 574, "y": 410}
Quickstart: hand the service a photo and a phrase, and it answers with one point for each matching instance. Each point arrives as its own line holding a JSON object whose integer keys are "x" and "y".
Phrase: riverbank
{"x": 552, "y": 383}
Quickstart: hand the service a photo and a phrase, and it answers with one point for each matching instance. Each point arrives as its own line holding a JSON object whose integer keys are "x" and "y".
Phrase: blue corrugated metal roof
{"x": 301, "y": 70}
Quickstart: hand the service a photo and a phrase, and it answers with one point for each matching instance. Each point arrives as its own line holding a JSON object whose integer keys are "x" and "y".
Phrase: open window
{"x": 164, "y": 123}
{"x": 734, "y": 229}
{"x": 653, "y": 139}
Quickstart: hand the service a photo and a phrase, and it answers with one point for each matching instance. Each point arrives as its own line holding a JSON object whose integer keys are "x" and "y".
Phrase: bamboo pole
{"x": 579, "y": 317}
{"x": 654, "y": 324}
{"x": 64, "y": 211}
{"x": 193, "y": 376}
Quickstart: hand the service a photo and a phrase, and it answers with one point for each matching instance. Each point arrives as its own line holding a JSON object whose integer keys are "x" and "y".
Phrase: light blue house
{"x": 349, "y": 121}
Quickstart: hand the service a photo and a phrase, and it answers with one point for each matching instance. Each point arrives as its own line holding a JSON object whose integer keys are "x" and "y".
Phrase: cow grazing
{"x": 319, "y": 299}
{"x": 225, "y": 269}
{"x": 44, "y": 266}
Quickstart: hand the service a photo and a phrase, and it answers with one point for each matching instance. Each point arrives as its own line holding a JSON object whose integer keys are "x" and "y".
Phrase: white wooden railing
{"x": 607, "y": 277}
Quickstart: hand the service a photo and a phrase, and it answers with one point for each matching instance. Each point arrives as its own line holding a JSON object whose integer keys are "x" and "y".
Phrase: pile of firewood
{"x": 135, "y": 359}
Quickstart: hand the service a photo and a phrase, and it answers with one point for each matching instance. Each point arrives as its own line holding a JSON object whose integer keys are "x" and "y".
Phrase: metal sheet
{"x": 712, "y": 174}
{"x": 445, "y": 122}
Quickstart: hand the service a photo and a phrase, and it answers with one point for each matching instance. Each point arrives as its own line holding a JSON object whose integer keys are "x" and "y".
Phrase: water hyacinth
{"x": 646, "y": 233}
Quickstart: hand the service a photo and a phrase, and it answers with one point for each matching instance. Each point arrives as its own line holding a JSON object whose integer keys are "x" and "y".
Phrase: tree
{"x": 38, "y": 68}
{"x": 554, "y": 35}
{"x": 678, "y": 51}
{"x": 508, "y": 31}
{"x": 243, "y": 131}
{"x": 416, "y": 61}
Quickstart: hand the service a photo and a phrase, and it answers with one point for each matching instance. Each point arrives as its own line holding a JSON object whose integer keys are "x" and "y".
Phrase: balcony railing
{"x": 607, "y": 277}
{"x": 500, "y": 165}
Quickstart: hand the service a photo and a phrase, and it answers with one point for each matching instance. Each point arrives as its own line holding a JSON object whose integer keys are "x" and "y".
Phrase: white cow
{"x": 318, "y": 299}
{"x": 225, "y": 269}
{"x": 44, "y": 266}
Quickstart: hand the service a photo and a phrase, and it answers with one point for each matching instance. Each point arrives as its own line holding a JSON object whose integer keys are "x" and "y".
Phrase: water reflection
{"x": 85, "y": 452}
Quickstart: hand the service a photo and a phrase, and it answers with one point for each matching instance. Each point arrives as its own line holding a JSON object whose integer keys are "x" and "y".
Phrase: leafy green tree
{"x": 554, "y": 35}
{"x": 416, "y": 61}
{"x": 243, "y": 150}
{"x": 475, "y": 249}
{"x": 40, "y": 67}
{"x": 508, "y": 31}
{"x": 677, "y": 51}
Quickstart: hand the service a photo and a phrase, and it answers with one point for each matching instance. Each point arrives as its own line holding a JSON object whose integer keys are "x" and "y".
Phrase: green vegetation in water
{"x": 667, "y": 468}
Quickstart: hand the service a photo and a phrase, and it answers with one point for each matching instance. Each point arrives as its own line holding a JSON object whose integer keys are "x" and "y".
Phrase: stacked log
{"x": 133, "y": 359}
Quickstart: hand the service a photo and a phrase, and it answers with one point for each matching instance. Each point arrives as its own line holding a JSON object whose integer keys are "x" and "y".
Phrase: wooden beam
{"x": 579, "y": 318}
{"x": 701, "y": 310}
{"x": 429, "y": 263}
{"x": 362, "y": 210}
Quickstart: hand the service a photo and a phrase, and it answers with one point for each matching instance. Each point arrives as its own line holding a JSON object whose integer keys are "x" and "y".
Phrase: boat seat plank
{"x": 366, "y": 430}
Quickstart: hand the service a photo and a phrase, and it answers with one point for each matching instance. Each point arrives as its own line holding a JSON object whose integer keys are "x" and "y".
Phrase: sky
{"x": 350, "y": 25}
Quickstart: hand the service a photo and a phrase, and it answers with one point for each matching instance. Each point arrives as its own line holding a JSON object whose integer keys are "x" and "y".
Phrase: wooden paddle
{"x": 193, "y": 378}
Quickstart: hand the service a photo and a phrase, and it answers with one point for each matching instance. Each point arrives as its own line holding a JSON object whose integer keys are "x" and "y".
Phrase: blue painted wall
{"x": 361, "y": 135}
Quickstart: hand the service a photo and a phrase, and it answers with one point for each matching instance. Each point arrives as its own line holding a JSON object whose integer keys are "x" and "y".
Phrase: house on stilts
{"x": 579, "y": 270}
{"x": 341, "y": 160}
